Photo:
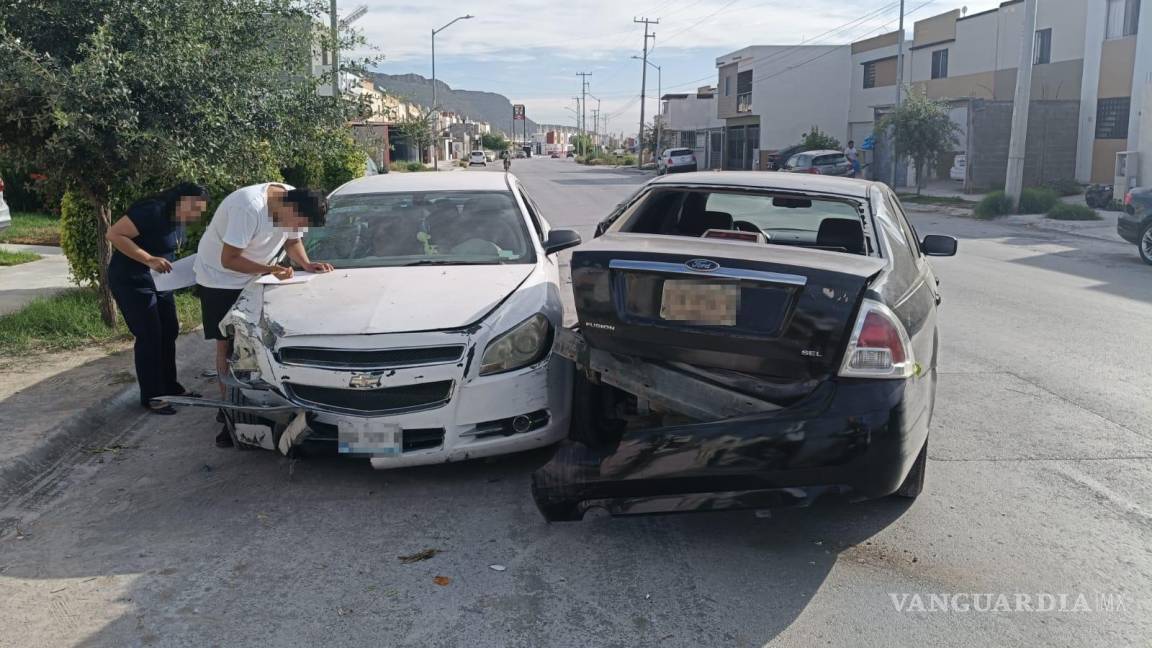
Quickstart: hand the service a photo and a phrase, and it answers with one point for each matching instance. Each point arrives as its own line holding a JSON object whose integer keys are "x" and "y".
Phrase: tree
{"x": 494, "y": 142}
{"x": 581, "y": 142}
{"x": 818, "y": 140}
{"x": 922, "y": 130}
{"x": 419, "y": 129}
{"x": 112, "y": 99}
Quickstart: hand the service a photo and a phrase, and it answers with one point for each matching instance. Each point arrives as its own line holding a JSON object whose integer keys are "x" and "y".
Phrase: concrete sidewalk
{"x": 22, "y": 283}
{"x": 80, "y": 408}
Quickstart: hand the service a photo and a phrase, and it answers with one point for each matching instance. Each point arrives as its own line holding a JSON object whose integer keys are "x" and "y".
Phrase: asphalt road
{"x": 1039, "y": 484}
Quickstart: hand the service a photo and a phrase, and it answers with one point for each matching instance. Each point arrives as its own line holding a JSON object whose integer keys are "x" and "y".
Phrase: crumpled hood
{"x": 390, "y": 300}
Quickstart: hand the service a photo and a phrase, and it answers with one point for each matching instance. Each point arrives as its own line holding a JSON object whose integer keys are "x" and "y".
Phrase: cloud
{"x": 533, "y": 48}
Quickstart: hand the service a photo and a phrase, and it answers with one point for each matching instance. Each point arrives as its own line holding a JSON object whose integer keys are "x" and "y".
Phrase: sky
{"x": 531, "y": 50}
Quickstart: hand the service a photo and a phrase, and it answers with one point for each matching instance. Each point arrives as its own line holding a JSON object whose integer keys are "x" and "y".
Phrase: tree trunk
{"x": 107, "y": 305}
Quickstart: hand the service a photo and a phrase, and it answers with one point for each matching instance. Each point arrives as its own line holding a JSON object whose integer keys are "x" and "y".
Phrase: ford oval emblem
{"x": 702, "y": 265}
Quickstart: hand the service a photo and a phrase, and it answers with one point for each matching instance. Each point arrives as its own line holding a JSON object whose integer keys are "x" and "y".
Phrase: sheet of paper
{"x": 182, "y": 275}
{"x": 297, "y": 278}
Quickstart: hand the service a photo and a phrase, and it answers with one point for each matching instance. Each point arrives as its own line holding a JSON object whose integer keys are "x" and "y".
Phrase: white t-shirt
{"x": 242, "y": 220}
{"x": 850, "y": 153}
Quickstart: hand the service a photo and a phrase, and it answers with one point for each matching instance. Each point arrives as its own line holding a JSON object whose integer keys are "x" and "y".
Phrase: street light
{"x": 659, "y": 94}
{"x": 435, "y": 159}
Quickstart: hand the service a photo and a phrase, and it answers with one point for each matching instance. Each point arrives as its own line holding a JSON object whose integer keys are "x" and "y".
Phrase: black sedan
{"x": 749, "y": 340}
{"x": 1135, "y": 224}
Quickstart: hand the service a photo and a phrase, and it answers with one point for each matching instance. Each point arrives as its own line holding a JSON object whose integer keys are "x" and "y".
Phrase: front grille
{"x": 358, "y": 359}
{"x": 389, "y": 400}
{"x": 327, "y": 434}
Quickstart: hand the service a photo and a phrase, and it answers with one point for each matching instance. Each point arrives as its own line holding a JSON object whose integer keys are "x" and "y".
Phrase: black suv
{"x": 1135, "y": 224}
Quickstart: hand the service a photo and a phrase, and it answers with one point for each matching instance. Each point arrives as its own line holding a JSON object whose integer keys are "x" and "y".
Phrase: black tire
{"x": 914, "y": 483}
{"x": 1144, "y": 243}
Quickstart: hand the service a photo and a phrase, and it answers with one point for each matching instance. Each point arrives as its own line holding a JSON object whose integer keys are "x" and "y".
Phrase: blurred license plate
{"x": 365, "y": 437}
{"x": 700, "y": 302}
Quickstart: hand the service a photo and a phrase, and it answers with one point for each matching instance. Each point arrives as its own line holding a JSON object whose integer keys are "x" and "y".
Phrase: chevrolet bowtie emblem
{"x": 364, "y": 381}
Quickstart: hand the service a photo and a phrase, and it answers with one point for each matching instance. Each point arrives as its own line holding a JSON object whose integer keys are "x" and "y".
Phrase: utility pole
{"x": 584, "y": 99}
{"x": 899, "y": 88}
{"x": 643, "y": 88}
{"x": 579, "y": 127}
{"x": 1014, "y": 180}
{"x": 335, "y": 50}
{"x": 435, "y": 110}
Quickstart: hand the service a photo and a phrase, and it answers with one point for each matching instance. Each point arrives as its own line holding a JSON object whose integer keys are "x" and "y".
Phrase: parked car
{"x": 677, "y": 160}
{"x": 570, "y": 154}
{"x": 806, "y": 307}
{"x": 959, "y": 168}
{"x": 5, "y": 211}
{"x": 776, "y": 160}
{"x": 555, "y": 155}
{"x": 1135, "y": 224}
{"x": 489, "y": 156}
{"x": 477, "y": 157}
{"x": 429, "y": 343}
{"x": 833, "y": 163}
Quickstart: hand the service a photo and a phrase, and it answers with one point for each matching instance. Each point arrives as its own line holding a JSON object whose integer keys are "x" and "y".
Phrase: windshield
{"x": 785, "y": 219}
{"x": 422, "y": 228}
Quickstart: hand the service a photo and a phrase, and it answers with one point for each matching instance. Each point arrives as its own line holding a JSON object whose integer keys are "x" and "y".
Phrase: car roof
{"x": 771, "y": 180}
{"x": 823, "y": 152}
{"x": 425, "y": 181}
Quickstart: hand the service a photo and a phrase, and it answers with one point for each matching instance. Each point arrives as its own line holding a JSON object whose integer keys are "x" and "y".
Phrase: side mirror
{"x": 938, "y": 245}
{"x": 561, "y": 239}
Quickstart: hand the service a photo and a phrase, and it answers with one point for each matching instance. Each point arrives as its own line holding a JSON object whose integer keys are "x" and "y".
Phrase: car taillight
{"x": 814, "y": 170}
{"x": 1127, "y": 196}
{"x": 879, "y": 346}
{"x": 1, "y": 186}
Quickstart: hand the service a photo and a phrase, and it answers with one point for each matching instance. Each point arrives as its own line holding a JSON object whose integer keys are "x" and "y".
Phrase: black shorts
{"x": 214, "y": 305}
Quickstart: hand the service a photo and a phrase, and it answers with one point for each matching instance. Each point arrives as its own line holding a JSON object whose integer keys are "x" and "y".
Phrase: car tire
{"x": 1145, "y": 243}
{"x": 914, "y": 483}
{"x": 588, "y": 425}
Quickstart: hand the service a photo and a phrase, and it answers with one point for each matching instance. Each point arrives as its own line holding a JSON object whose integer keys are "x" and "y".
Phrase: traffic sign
{"x": 518, "y": 112}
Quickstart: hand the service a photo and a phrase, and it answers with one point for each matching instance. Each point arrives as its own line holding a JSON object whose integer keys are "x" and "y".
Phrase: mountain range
{"x": 477, "y": 105}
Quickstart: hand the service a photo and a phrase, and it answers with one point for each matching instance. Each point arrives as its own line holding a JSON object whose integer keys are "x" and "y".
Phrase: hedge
{"x": 1037, "y": 200}
{"x": 1067, "y": 212}
{"x": 993, "y": 205}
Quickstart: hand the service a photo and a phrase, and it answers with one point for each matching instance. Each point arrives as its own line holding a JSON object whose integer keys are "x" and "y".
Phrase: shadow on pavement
{"x": 175, "y": 542}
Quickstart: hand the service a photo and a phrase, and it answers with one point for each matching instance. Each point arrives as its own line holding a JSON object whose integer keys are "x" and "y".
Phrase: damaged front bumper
{"x": 850, "y": 439}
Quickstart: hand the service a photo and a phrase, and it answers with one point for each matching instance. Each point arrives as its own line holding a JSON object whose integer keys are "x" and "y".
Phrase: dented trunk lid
{"x": 780, "y": 312}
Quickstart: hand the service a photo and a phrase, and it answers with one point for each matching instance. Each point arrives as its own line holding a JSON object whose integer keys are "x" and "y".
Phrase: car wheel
{"x": 914, "y": 483}
{"x": 588, "y": 424}
{"x": 1145, "y": 244}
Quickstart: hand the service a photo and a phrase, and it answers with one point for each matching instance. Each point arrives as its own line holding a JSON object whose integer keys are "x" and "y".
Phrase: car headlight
{"x": 524, "y": 344}
{"x": 244, "y": 361}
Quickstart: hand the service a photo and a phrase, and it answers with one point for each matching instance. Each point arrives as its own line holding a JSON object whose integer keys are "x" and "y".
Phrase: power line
{"x": 643, "y": 89}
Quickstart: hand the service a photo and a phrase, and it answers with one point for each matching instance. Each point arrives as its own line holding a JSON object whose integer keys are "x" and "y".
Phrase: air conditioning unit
{"x": 1127, "y": 173}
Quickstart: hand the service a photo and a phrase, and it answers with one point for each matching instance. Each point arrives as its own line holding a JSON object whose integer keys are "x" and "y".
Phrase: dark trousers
{"x": 151, "y": 317}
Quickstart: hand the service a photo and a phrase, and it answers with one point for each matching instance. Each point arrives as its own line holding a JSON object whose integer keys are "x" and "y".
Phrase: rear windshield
{"x": 422, "y": 228}
{"x": 826, "y": 160}
{"x": 679, "y": 152}
{"x": 785, "y": 219}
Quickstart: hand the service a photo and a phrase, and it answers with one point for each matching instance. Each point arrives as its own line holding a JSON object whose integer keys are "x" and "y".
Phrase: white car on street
{"x": 477, "y": 157}
{"x": 431, "y": 340}
{"x": 959, "y": 168}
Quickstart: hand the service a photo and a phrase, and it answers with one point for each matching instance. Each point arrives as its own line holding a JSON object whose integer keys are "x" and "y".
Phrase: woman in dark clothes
{"x": 144, "y": 240}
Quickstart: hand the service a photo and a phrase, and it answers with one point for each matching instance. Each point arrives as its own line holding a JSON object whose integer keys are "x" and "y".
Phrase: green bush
{"x": 415, "y": 166}
{"x": 993, "y": 205}
{"x": 1067, "y": 212}
{"x": 397, "y": 166}
{"x": 1065, "y": 187}
{"x": 79, "y": 236}
{"x": 629, "y": 160}
{"x": 1037, "y": 200}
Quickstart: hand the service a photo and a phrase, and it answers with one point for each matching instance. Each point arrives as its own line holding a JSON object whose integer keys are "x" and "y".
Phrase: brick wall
{"x": 1050, "y": 152}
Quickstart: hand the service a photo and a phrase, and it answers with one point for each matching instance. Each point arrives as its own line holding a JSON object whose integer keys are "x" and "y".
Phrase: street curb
{"x": 1017, "y": 222}
{"x": 96, "y": 425}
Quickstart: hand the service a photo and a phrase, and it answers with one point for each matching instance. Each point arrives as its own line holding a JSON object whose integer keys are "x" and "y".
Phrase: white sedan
{"x": 430, "y": 342}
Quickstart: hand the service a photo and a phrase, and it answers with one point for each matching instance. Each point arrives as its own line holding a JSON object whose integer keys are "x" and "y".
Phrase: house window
{"x": 940, "y": 64}
{"x": 1123, "y": 18}
{"x": 727, "y": 86}
{"x": 1043, "y": 51}
{"x": 744, "y": 91}
{"x": 1112, "y": 118}
{"x": 688, "y": 139}
{"x": 870, "y": 75}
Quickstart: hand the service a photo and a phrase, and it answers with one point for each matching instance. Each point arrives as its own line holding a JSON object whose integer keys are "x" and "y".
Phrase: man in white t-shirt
{"x": 247, "y": 231}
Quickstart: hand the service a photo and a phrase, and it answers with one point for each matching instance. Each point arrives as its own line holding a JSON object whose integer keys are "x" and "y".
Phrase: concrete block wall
{"x": 1050, "y": 152}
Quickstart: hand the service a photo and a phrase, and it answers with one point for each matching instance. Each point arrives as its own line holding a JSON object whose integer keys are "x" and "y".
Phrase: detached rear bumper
{"x": 856, "y": 440}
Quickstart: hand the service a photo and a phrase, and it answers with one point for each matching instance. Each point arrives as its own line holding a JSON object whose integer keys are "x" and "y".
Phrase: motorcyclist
{"x": 507, "y": 157}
